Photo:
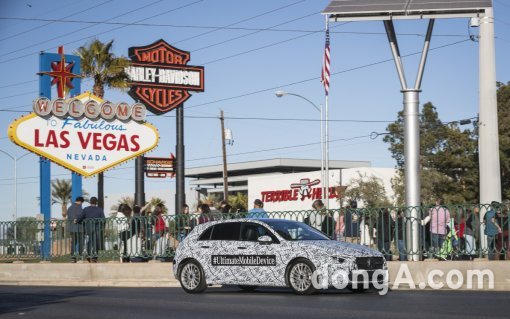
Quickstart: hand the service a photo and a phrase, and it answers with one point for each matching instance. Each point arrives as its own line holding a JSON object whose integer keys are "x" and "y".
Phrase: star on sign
{"x": 62, "y": 74}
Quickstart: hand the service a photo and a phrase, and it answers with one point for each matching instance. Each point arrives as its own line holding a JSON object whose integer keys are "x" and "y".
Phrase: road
{"x": 125, "y": 303}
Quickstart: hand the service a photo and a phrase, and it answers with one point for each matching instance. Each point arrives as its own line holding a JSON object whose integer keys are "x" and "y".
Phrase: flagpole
{"x": 323, "y": 181}
{"x": 326, "y": 132}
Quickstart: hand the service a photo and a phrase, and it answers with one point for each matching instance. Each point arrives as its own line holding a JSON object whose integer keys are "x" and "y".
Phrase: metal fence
{"x": 445, "y": 232}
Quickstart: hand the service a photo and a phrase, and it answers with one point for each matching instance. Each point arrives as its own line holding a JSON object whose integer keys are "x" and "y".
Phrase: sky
{"x": 249, "y": 50}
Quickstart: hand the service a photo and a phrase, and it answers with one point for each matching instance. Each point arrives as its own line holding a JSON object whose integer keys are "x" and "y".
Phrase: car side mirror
{"x": 265, "y": 240}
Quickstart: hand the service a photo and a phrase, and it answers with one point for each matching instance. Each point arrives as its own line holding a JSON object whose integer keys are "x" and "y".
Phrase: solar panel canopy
{"x": 352, "y": 10}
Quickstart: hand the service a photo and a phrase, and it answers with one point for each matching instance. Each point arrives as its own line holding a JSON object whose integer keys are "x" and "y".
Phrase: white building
{"x": 284, "y": 184}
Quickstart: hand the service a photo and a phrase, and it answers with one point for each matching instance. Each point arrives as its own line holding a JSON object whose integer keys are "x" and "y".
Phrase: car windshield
{"x": 295, "y": 231}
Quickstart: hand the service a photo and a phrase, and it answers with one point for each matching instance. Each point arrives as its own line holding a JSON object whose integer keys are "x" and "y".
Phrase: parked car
{"x": 271, "y": 252}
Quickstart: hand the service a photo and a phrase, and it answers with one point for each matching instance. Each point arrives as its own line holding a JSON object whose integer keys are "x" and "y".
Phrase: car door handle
{"x": 241, "y": 247}
{"x": 205, "y": 247}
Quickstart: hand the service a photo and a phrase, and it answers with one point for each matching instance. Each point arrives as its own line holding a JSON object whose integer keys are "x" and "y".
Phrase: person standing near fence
{"x": 123, "y": 229}
{"x": 492, "y": 229}
{"x": 384, "y": 233}
{"x": 93, "y": 219}
{"x": 321, "y": 219}
{"x": 159, "y": 230}
{"x": 472, "y": 231}
{"x": 351, "y": 221}
{"x": 340, "y": 226}
{"x": 136, "y": 235}
{"x": 184, "y": 223}
{"x": 258, "y": 210}
{"x": 401, "y": 241}
{"x": 225, "y": 208}
{"x": 439, "y": 218}
{"x": 76, "y": 230}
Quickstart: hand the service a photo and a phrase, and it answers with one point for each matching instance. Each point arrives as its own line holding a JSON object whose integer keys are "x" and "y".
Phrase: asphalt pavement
{"x": 125, "y": 303}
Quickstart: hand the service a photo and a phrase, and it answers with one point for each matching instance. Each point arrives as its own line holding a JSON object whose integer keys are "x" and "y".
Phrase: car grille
{"x": 369, "y": 263}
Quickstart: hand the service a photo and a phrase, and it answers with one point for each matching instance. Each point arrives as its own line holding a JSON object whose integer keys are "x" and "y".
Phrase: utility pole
{"x": 224, "y": 149}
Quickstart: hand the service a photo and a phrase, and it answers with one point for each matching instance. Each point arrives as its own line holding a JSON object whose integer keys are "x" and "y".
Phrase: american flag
{"x": 325, "y": 65}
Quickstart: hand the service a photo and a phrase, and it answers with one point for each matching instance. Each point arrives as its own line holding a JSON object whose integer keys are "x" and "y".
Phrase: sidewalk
{"x": 161, "y": 275}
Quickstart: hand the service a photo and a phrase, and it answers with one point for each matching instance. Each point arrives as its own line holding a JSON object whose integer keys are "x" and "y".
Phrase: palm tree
{"x": 130, "y": 201}
{"x": 61, "y": 190}
{"x": 100, "y": 64}
{"x": 239, "y": 201}
{"x": 155, "y": 201}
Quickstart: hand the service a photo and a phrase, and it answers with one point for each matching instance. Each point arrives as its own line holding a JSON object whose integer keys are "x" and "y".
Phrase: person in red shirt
{"x": 460, "y": 228}
{"x": 160, "y": 230}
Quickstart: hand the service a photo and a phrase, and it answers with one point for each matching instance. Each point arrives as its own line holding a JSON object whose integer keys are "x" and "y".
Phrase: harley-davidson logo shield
{"x": 160, "y": 78}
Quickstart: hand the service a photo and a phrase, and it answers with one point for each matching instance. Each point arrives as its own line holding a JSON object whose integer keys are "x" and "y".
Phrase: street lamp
{"x": 324, "y": 146}
{"x": 15, "y": 215}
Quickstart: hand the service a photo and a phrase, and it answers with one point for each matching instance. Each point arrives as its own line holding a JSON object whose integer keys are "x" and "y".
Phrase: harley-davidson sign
{"x": 160, "y": 78}
{"x": 85, "y": 134}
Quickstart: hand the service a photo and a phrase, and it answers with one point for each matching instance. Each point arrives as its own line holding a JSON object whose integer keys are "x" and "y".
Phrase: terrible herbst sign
{"x": 160, "y": 78}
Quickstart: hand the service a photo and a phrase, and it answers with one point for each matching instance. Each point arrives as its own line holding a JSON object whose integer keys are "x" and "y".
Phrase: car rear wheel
{"x": 192, "y": 277}
{"x": 247, "y": 288}
{"x": 299, "y": 277}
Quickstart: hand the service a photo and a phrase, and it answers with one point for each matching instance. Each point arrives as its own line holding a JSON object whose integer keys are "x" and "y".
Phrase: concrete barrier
{"x": 85, "y": 274}
{"x": 161, "y": 275}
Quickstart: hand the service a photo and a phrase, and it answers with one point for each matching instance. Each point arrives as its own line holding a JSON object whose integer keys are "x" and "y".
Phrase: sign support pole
{"x": 180, "y": 196}
{"x": 139, "y": 182}
{"x": 411, "y": 139}
{"x": 488, "y": 140}
{"x": 45, "y": 167}
{"x": 45, "y": 60}
{"x": 76, "y": 190}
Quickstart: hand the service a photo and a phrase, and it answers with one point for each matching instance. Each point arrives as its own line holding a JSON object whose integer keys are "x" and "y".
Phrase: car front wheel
{"x": 192, "y": 277}
{"x": 299, "y": 277}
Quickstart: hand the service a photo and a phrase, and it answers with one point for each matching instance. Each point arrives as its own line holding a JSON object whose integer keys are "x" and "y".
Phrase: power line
{"x": 50, "y": 21}
{"x": 317, "y": 77}
{"x": 499, "y": 38}
{"x": 97, "y": 34}
{"x": 74, "y": 31}
{"x": 238, "y": 22}
{"x": 189, "y": 38}
{"x": 218, "y": 28}
{"x": 243, "y": 153}
{"x": 502, "y": 3}
{"x": 19, "y": 94}
{"x": 301, "y": 81}
{"x": 279, "y": 119}
{"x": 280, "y": 148}
{"x": 502, "y": 21}
{"x": 258, "y": 31}
{"x": 18, "y": 83}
